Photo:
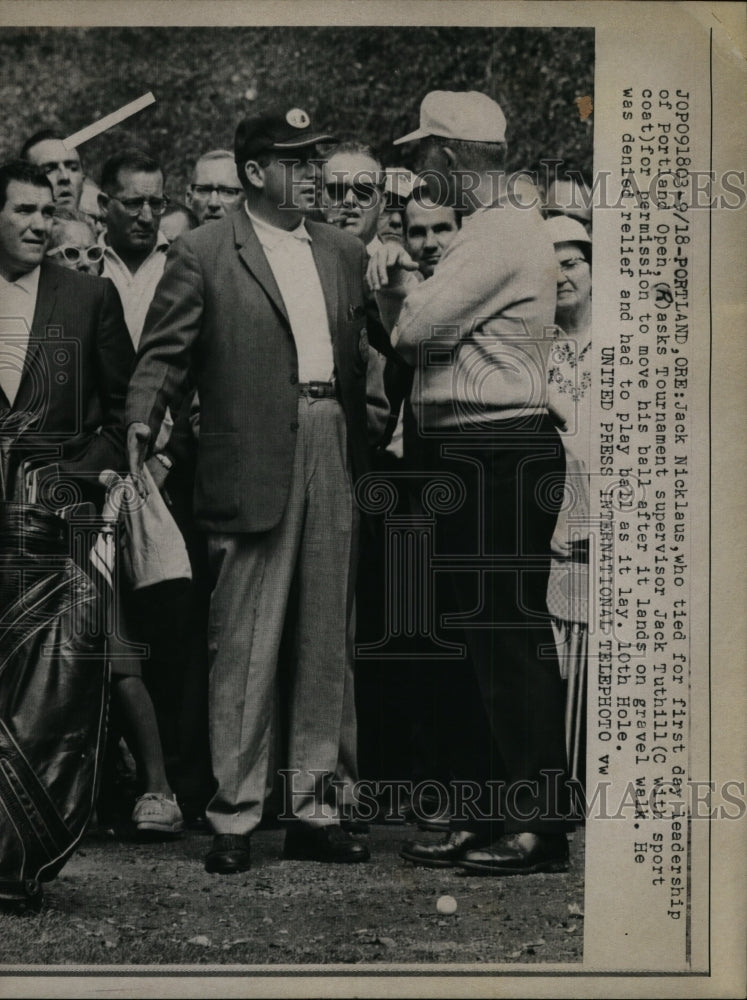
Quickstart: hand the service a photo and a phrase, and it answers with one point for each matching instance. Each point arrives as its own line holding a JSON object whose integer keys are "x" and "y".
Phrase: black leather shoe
{"x": 323, "y": 843}
{"x": 444, "y": 853}
{"x": 519, "y": 854}
{"x": 228, "y": 854}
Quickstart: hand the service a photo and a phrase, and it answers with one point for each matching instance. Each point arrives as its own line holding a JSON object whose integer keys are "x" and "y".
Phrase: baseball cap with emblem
{"x": 467, "y": 115}
{"x": 276, "y": 131}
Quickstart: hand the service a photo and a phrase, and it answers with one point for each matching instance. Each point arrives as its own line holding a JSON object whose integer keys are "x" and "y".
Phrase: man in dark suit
{"x": 65, "y": 360}
{"x": 265, "y": 315}
{"x": 66, "y": 355}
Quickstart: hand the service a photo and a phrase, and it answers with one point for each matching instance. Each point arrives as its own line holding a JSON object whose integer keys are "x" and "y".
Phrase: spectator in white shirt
{"x": 132, "y": 202}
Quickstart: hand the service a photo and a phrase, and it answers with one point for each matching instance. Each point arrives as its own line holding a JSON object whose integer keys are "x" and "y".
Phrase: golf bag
{"x": 53, "y": 698}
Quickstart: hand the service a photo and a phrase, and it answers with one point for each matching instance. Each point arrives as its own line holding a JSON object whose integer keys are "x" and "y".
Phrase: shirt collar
{"x": 28, "y": 282}
{"x": 272, "y": 236}
{"x": 373, "y": 246}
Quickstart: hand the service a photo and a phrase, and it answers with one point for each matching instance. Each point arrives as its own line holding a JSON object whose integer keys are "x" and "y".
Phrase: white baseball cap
{"x": 467, "y": 115}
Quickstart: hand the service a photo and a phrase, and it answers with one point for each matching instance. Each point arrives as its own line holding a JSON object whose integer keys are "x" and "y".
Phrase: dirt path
{"x": 126, "y": 902}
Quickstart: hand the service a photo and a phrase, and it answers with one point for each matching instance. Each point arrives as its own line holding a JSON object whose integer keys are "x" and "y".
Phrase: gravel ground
{"x": 128, "y": 902}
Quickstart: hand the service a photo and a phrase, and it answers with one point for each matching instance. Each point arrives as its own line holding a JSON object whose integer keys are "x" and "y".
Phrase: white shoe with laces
{"x": 159, "y": 813}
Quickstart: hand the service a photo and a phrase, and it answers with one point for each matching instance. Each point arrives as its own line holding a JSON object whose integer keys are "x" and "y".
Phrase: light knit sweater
{"x": 478, "y": 331}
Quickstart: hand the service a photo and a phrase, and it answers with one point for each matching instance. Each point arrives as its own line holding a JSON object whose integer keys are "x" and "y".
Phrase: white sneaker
{"x": 154, "y": 811}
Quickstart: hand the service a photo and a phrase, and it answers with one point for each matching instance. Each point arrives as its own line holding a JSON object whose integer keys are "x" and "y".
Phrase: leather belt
{"x": 318, "y": 390}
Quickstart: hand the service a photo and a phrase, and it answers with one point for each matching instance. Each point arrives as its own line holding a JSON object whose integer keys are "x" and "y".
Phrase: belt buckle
{"x": 316, "y": 390}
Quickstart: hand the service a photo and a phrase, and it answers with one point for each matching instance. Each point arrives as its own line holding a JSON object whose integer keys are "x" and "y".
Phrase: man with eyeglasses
{"x": 353, "y": 200}
{"x": 46, "y": 150}
{"x": 353, "y": 190}
{"x": 132, "y": 203}
{"x": 215, "y": 187}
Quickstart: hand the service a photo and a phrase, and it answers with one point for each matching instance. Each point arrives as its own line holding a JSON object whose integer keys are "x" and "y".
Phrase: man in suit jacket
{"x": 66, "y": 355}
{"x": 265, "y": 315}
{"x": 65, "y": 361}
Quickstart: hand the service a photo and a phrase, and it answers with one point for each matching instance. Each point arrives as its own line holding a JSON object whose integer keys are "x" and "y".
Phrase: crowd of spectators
{"x": 445, "y": 260}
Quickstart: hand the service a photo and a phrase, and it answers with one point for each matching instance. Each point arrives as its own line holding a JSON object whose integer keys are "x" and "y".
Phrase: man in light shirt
{"x": 475, "y": 332}
{"x": 132, "y": 203}
{"x": 265, "y": 312}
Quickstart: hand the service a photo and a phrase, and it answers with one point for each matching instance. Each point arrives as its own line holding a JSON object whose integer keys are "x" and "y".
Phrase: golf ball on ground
{"x": 446, "y": 904}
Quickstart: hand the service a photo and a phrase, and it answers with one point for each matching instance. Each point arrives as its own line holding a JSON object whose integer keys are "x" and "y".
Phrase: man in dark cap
{"x": 265, "y": 313}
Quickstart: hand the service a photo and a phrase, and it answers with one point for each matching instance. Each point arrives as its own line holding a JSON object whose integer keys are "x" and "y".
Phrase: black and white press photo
{"x": 355, "y": 388}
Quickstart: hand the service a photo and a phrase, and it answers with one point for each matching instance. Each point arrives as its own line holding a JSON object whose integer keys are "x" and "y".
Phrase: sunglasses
{"x": 366, "y": 193}
{"x": 73, "y": 254}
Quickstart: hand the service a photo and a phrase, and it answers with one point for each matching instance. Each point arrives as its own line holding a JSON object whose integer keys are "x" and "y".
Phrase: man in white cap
{"x": 475, "y": 332}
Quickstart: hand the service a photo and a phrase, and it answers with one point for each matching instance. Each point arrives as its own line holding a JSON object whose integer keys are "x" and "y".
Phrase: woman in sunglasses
{"x": 73, "y": 242}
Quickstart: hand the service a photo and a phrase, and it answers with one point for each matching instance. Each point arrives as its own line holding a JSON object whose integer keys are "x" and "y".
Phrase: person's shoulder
{"x": 518, "y": 229}
{"x": 332, "y": 236}
{"x": 509, "y": 214}
{"x": 205, "y": 239}
{"x": 75, "y": 283}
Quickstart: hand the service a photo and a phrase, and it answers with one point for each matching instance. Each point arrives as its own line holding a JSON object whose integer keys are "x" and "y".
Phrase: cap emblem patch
{"x": 298, "y": 118}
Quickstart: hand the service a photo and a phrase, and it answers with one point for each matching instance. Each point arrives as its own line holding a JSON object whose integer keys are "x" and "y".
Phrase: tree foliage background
{"x": 358, "y": 82}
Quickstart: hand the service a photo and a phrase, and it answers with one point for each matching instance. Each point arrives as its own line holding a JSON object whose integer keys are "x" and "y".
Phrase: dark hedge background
{"x": 360, "y": 82}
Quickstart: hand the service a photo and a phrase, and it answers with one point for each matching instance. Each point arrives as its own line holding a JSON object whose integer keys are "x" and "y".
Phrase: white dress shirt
{"x": 17, "y": 306}
{"x": 293, "y": 267}
{"x": 135, "y": 290}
